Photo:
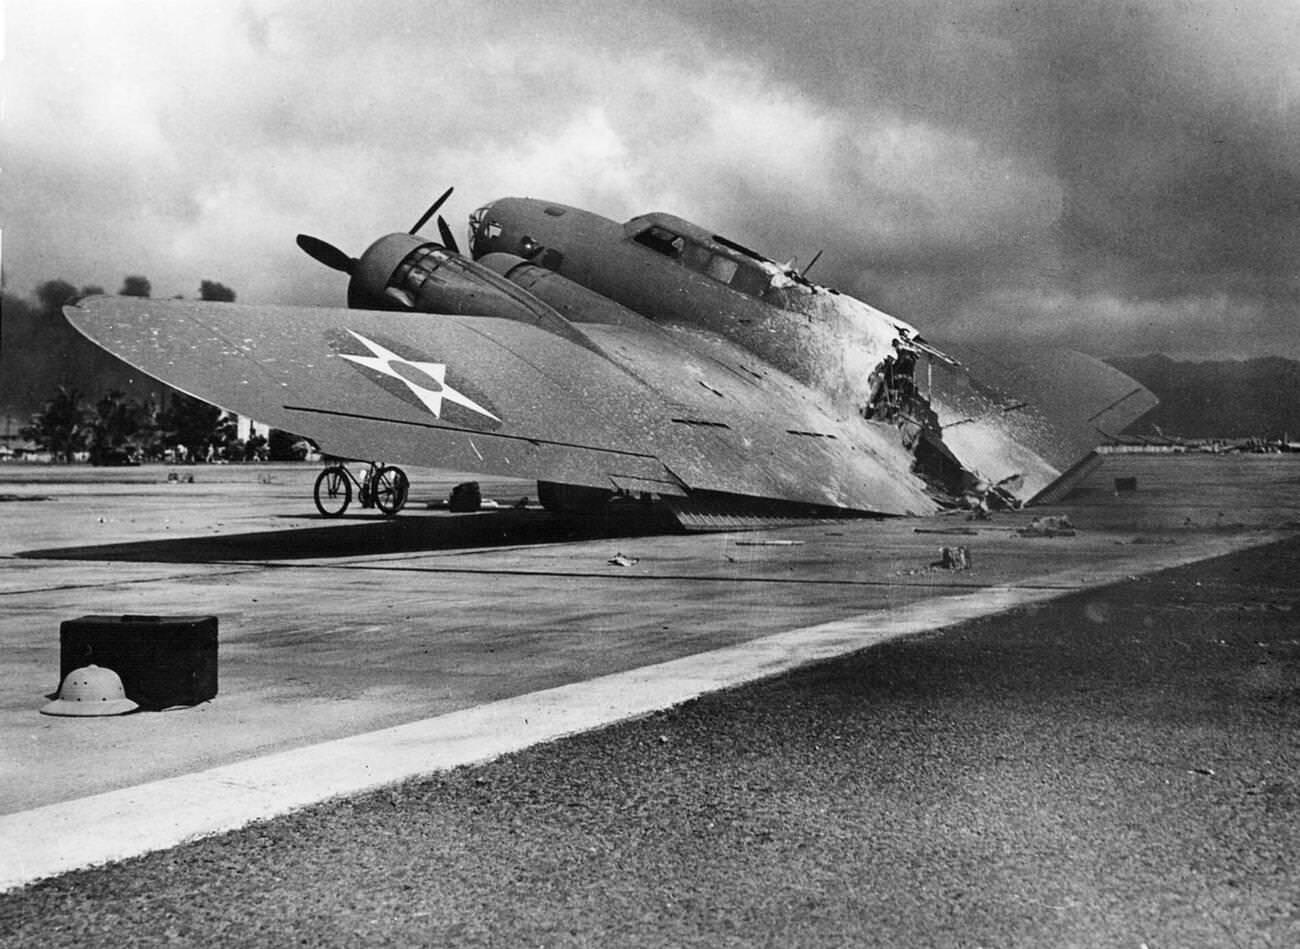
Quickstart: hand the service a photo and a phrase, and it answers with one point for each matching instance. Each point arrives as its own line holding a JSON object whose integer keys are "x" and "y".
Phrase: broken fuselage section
{"x": 868, "y": 385}
{"x": 869, "y": 365}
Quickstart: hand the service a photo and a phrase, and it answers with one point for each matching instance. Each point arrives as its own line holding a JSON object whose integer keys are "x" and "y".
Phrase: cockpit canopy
{"x": 715, "y": 257}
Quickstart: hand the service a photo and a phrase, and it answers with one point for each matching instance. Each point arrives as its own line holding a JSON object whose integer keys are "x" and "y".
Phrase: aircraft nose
{"x": 483, "y": 232}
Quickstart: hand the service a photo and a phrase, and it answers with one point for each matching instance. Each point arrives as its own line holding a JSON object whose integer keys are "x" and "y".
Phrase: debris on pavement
{"x": 953, "y": 558}
{"x": 1052, "y": 525}
{"x": 465, "y": 498}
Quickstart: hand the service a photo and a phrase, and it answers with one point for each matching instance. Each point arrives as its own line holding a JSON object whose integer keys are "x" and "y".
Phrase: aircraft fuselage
{"x": 568, "y": 271}
{"x": 678, "y": 274}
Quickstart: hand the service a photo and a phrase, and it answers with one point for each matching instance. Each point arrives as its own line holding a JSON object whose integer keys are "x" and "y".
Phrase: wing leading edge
{"x": 502, "y": 397}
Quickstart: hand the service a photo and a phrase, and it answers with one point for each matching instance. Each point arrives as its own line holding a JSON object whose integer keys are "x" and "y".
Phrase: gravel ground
{"x": 1118, "y": 768}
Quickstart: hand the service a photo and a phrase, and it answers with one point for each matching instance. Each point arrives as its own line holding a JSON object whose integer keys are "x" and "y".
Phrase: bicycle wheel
{"x": 333, "y": 491}
{"x": 390, "y": 486}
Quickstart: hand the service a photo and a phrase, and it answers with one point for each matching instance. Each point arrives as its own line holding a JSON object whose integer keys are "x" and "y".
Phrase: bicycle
{"x": 382, "y": 486}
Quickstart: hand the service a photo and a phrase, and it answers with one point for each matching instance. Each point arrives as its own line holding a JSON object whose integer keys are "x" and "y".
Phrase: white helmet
{"x": 91, "y": 690}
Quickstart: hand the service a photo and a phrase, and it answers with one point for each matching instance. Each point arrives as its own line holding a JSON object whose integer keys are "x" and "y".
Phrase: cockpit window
{"x": 751, "y": 280}
{"x": 696, "y": 257}
{"x": 721, "y": 269}
{"x": 724, "y": 268}
{"x": 662, "y": 241}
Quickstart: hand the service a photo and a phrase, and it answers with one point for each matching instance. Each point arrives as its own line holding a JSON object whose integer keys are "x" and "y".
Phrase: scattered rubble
{"x": 1052, "y": 525}
{"x": 950, "y": 558}
{"x": 1126, "y": 485}
{"x": 953, "y": 558}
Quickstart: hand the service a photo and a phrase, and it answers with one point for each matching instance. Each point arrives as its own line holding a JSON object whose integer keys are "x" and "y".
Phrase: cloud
{"x": 1105, "y": 324}
{"x": 1009, "y": 164}
{"x": 1169, "y": 130}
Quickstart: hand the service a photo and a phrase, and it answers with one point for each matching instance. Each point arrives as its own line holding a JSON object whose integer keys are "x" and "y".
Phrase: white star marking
{"x": 426, "y": 380}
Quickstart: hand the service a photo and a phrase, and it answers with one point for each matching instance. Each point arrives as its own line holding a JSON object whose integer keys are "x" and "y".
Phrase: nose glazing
{"x": 483, "y": 232}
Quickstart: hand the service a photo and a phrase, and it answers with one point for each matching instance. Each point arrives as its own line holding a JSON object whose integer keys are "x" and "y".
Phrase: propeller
{"x": 433, "y": 209}
{"x": 326, "y": 253}
{"x": 448, "y": 239}
{"x": 335, "y": 259}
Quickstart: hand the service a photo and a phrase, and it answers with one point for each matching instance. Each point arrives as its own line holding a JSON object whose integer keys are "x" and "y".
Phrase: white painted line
{"x": 119, "y": 824}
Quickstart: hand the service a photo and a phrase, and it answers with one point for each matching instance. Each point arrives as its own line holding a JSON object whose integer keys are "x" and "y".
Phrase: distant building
{"x": 246, "y": 428}
{"x": 1142, "y": 444}
{"x": 12, "y": 445}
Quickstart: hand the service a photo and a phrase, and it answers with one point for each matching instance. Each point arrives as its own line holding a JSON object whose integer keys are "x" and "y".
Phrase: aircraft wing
{"x": 504, "y": 397}
{"x": 1030, "y": 412}
{"x": 778, "y": 431}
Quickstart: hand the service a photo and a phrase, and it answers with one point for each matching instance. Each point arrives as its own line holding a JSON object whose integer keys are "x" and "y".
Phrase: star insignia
{"x": 426, "y": 380}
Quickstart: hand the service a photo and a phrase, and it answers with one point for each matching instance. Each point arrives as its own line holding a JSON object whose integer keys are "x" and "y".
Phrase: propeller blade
{"x": 327, "y": 254}
{"x": 433, "y": 209}
{"x": 448, "y": 238}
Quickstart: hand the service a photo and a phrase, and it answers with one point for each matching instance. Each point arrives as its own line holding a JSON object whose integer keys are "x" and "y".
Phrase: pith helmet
{"x": 91, "y": 690}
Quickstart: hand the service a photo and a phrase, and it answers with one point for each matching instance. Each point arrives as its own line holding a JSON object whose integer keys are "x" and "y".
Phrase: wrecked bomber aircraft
{"x": 651, "y": 358}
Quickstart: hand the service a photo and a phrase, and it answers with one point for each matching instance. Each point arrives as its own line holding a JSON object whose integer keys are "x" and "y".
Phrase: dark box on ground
{"x": 465, "y": 497}
{"x": 162, "y": 660}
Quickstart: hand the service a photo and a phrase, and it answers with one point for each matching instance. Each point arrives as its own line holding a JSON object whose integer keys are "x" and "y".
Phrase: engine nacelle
{"x": 572, "y": 300}
{"x": 404, "y": 272}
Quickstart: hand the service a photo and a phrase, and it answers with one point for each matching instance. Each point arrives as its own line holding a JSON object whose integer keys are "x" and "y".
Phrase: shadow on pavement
{"x": 374, "y": 536}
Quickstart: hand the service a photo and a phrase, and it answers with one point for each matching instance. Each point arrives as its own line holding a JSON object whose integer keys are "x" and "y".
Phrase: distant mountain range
{"x": 1229, "y": 399}
{"x": 40, "y": 351}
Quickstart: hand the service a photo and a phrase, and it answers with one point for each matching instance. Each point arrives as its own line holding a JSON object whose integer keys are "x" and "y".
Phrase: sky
{"x": 1121, "y": 178}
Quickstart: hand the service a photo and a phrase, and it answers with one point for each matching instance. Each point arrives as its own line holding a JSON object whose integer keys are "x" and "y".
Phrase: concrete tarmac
{"x": 1114, "y": 768}
{"x": 334, "y": 630}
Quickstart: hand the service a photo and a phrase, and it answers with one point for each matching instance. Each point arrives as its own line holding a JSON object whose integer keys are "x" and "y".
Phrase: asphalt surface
{"x": 332, "y": 629}
{"x": 1115, "y": 768}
